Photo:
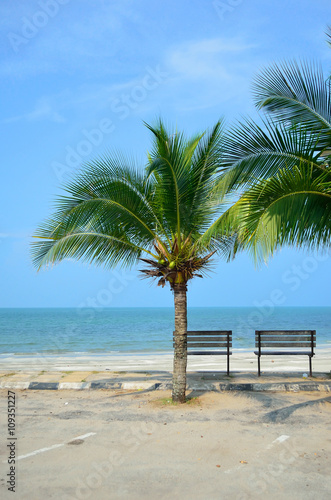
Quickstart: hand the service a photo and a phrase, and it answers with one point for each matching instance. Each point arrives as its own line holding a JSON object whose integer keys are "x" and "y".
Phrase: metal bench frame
{"x": 208, "y": 339}
{"x": 269, "y": 339}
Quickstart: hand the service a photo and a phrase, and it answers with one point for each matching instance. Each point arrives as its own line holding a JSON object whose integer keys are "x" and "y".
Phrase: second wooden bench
{"x": 291, "y": 342}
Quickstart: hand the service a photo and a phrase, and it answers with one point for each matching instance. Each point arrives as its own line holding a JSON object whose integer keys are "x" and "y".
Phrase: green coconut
{"x": 172, "y": 265}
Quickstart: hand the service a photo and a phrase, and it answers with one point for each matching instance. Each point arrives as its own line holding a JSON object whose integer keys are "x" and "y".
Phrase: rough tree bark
{"x": 180, "y": 354}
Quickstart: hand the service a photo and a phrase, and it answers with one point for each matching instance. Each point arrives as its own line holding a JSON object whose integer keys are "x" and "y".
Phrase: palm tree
{"x": 282, "y": 168}
{"x": 113, "y": 214}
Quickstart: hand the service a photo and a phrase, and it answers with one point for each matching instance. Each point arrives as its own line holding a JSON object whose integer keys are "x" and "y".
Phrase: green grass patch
{"x": 169, "y": 402}
{"x": 8, "y": 374}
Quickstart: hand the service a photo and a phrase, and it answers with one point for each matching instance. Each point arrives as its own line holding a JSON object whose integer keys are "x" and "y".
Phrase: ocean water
{"x": 144, "y": 330}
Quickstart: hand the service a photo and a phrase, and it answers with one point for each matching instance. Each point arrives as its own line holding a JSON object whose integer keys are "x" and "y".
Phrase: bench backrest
{"x": 285, "y": 339}
{"x": 209, "y": 339}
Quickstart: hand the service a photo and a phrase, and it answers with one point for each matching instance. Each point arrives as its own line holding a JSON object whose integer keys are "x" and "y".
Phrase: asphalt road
{"x": 108, "y": 445}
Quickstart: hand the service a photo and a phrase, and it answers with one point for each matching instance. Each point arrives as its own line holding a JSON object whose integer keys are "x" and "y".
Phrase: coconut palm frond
{"x": 254, "y": 152}
{"x": 291, "y": 208}
{"x": 90, "y": 247}
{"x": 328, "y": 35}
{"x": 296, "y": 93}
{"x": 184, "y": 171}
{"x": 281, "y": 169}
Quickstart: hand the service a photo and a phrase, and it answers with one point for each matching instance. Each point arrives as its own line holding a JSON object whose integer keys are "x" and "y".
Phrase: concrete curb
{"x": 276, "y": 387}
{"x": 44, "y": 386}
{"x": 14, "y": 385}
{"x": 54, "y": 386}
{"x": 256, "y": 387}
{"x": 78, "y": 386}
{"x": 147, "y": 386}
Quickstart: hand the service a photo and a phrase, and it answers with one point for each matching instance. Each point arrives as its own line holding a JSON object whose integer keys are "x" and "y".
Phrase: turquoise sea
{"x": 144, "y": 330}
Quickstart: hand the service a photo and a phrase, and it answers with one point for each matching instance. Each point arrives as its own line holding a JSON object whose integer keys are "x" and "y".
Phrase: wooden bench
{"x": 291, "y": 342}
{"x": 210, "y": 343}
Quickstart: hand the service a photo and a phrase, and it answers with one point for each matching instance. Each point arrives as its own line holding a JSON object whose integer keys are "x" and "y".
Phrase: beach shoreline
{"x": 240, "y": 360}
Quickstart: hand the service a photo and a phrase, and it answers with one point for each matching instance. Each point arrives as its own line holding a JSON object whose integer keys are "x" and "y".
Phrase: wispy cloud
{"x": 94, "y": 98}
{"x": 43, "y": 110}
{"x": 209, "y": 72}
{"x": 205, "y": 59}
{"x": 96, "y": 43}
{"x": 201, "y": 74}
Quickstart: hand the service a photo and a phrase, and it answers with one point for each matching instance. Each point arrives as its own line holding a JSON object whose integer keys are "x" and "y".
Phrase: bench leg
{"x": 310, "y": 368}
{"x": 228, "y": 365}
{"x": 258, "y": 367}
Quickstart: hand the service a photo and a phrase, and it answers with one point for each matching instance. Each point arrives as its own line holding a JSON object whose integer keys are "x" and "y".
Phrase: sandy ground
{"x": 102, "y": 445}
{"x": 239, "y": 361}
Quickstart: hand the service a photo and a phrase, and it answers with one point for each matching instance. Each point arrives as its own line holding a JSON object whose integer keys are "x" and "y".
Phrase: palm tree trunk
{"x": 180, "y": 354}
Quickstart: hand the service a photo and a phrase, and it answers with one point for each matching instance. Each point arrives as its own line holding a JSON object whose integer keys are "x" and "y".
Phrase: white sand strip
{"x": 239, "y": 361}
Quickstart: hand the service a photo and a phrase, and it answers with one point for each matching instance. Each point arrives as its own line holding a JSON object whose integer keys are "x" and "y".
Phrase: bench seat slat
{"x": 285, "y": 353}
{"x": 223, "y": 333}
{"x": 209, "y": 344}
{"x": 212, "y": 353}
{"x": 206, "y": 339}
{"x": 294, "y": 338}
{"x": 206, "y": 344}
{"x": 285, "y": 332}
{"x": 285, "y": 344}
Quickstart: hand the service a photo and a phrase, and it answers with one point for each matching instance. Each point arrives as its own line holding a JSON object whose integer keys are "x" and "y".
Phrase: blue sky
{"x": 78, "y": 78}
